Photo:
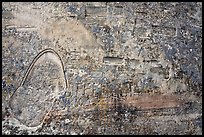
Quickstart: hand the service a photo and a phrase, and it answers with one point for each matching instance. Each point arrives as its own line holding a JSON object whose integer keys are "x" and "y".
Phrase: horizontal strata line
{"x": 166, "y": 113}
{"x": 36, "y": 8}
{"x": 95, "y": 15}
{"x": 22, "y": 28}
{"x": 153, "y": 60}
{"x": 113, "y": 60}
{"x": 11, "y": 26}
{"x": 104, "y": 16}
{"x": 100, "y": 6}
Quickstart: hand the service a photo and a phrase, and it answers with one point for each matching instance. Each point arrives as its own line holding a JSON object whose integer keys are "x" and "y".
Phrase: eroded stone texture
{"x": 43, "y": 83}
{"x": 114, "y": 68}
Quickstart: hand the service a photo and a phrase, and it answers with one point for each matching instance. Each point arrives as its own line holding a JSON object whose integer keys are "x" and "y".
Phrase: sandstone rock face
{"x": 101, "y": 68}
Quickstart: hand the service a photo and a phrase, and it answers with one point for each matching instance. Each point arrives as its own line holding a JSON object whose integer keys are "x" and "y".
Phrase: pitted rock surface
{"x": 102, "y": 68}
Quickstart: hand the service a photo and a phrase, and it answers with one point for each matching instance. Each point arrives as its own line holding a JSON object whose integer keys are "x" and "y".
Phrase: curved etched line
{"x": 33, "y": 63}
{"x": 36, "y": 58}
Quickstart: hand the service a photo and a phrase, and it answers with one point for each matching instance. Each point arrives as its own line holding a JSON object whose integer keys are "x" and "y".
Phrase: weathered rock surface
{"x": 101, "y": 68}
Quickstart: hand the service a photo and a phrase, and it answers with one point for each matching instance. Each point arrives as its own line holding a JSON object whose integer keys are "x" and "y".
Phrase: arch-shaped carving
{"x": 47, "y": 53}
{"x": 37, "y": 58}
{"x": 48, "y": 50}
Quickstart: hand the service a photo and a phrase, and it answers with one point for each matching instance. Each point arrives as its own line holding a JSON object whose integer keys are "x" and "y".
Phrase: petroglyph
{"x": 101, "y": 68}
{"x": 39, "y": 92}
